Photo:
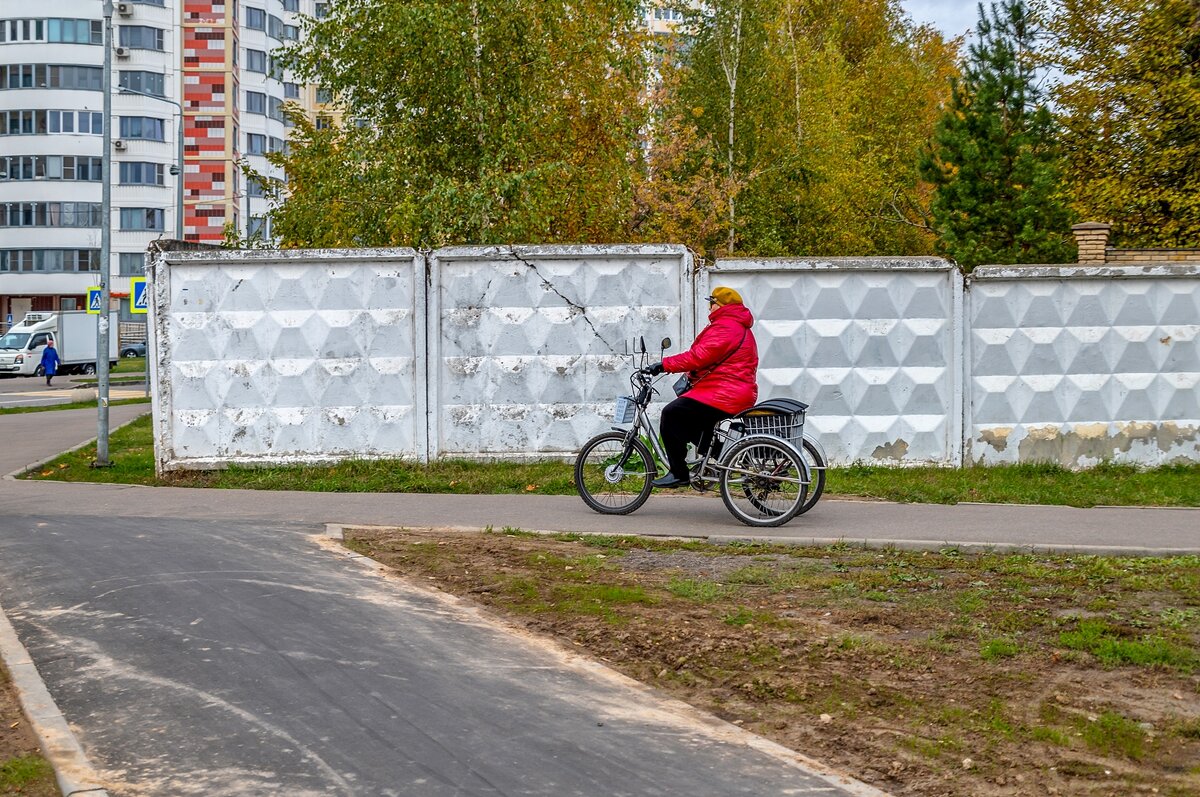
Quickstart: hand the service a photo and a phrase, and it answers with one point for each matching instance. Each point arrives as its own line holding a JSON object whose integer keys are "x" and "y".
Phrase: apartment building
{"x": 203, "y": 67}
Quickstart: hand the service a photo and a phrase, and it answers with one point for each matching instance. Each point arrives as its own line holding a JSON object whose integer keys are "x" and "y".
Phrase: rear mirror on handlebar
{"x": 666, "y": 343}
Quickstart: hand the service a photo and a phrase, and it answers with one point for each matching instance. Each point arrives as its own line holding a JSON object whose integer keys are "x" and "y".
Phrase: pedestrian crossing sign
{"x": 93, "y": 305}
{"x": 139, "y": 297}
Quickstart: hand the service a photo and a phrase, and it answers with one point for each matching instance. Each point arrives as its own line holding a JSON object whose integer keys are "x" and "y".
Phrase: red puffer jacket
{"x": 732, "y": 385}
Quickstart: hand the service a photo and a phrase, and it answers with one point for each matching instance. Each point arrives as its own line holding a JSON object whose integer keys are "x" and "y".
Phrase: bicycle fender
{"x": 820, "y": 448}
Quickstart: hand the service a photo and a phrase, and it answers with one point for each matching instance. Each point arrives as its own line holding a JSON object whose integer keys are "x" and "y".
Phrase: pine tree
{"x": 993, "y": 160}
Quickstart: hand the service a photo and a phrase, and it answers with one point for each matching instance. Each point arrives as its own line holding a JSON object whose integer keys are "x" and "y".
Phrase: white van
{"x": 74, "y": 335}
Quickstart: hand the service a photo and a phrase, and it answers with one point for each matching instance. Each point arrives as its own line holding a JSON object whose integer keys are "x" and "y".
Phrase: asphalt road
{"x": 207, "y": 643}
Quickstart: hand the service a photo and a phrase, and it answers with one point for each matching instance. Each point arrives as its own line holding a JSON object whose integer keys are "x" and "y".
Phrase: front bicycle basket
{"x": 624, "y": 410}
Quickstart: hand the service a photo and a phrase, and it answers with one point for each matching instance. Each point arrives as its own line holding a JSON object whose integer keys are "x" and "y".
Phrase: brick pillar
{"x": 1092, "y": 238}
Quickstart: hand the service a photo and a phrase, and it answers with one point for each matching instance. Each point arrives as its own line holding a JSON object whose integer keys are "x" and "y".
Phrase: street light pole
{"x": 102, "y": 322}
{"x": 178, "y": 167}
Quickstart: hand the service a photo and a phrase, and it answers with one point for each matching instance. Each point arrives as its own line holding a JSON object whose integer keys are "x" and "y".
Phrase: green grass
{"x": 74, "y": 405}
{"x": 998, "y": 648}
{"x": 1112, "y": 648}
{"x": 19, "y": 773}
{"x": 132, "y": 449}
{"x": 1036, "y": 483}
{"x": 698, "y": 591}
{"x": 1112, "y": 734}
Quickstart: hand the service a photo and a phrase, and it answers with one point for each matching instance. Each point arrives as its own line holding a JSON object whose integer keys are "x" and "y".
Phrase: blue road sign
{"x": 139, "y": 297}
{"x": 93, "y": 306}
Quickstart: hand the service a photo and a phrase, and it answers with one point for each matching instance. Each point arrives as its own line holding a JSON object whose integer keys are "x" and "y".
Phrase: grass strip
{"x": 132, "y": 449}
{"x": 74, "y": 405}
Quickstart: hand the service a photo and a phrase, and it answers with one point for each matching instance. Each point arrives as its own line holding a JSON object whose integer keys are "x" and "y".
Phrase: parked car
{"x": 133, "y": 349}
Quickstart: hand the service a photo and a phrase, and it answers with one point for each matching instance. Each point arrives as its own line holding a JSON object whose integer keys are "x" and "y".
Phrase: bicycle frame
{"x": 705, "y": 470}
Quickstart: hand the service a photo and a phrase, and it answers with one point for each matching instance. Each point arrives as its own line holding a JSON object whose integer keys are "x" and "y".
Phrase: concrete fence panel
{"x": 529, "y": 346}
{"x": 273, "y": 357}
{"x": 1081, "y": 365}
{"x": 872, "y": 344}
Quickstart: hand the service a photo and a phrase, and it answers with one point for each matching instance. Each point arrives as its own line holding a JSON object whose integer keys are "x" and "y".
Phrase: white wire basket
{"x": 625, "y": 410}
{"x": 789, "y": 426}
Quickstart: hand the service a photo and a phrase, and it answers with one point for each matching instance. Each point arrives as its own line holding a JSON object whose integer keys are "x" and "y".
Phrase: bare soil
{"x": 922, "y": 674}
{"x": 17, "y": 744}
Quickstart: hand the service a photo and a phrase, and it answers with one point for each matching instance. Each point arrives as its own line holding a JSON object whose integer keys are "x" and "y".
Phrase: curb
{"x": 335, "y": 530}
{"x": 961, "y": 547}
{"x": 72, "y": 770}
{"x": 335, "y": 534}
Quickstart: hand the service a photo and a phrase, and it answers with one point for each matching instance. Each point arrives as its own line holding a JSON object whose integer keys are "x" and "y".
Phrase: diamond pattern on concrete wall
{"x": 1082, "y": 369}
{"x": 532, "y": 349}
{"x": 306, "y": 360}
{"x": 872, "y": 352}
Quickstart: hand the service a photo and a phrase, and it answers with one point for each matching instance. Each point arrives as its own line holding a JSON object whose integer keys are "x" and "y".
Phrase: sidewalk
{"x": 1099, "y": 530}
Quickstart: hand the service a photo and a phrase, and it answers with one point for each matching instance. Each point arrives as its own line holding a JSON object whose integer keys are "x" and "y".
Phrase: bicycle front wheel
{"x": 762, "y": 481}
{"x": 613, "y": 473}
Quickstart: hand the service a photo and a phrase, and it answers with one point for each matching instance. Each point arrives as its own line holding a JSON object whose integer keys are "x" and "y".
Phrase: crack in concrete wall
{"x": 576, "y": 308}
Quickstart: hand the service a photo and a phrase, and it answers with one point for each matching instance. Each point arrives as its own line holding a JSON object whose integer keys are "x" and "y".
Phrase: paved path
{"x": 205, "y": 643}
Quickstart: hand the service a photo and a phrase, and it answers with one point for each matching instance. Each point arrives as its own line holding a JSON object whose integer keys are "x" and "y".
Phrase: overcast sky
{"x": 951, "y": 17}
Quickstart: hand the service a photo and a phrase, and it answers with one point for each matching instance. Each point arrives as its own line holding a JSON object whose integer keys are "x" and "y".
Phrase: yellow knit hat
{"x": 724, "y": 296}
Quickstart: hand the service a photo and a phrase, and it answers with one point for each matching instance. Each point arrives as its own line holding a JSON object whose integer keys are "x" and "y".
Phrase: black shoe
{"x": 669, "y": 481}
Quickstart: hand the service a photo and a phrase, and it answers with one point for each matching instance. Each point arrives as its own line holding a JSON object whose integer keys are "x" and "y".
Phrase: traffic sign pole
{"x": 102, "y": 321}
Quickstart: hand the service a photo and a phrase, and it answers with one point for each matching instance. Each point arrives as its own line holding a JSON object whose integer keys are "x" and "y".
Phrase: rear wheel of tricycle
{"x": 613, "y": 473}
{"x": 763, "y": 481}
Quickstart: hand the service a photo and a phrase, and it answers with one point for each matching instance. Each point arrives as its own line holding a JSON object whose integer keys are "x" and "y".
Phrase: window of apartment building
{"x": 17, "y": 260}
{"x": 259, "y": 226}
{"x": 141, "y": 37}
{"x": 49, "y": 76}
{"x": 323, "y": 122}
{"x": 324, "y": 95}
{"x": 254, "y": 187}
{"x": 50, "y": 167}
{"x": 141, "y": 173}
{"x": 147, "y": 2}
{"x": 256, "y": 61}
{"x": 56, "y": 30}
{"x": 291, "y": 33}
{"x": 291, "y": 91}
{"x": 275, "y": 110}
{"x": 256, "y": 18}
{"x": 141, "y": 218}
{"x": 275, "y": 144}
{"x": 50, "y": 214}
{"x": 142, "y": 82}
{"x": 275, "y": 68}
{"x": 256, "y": 102}
{"x": 322, "y": 10}
{"x": 146, "y": 128}
{"x": 274, "y": 27}
{"x": 256, "y": 144}
{"x": 291, "y": 5}
{"x": 132, "y": 264}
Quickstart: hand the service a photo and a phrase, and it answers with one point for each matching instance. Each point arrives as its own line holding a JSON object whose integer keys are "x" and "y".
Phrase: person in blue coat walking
{"x": 50, "y": 361}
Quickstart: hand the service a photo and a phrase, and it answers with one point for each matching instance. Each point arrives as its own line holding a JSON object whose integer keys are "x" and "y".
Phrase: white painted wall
{"x": 263, "y": 357}
{"x": 1081, "y": 365}
{"x": 872, "y": 344}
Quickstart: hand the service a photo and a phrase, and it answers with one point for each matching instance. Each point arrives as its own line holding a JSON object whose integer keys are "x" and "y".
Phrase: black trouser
{"x": 685, "y": 421}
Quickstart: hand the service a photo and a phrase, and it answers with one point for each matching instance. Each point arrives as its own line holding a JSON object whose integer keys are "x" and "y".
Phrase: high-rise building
{"x": 203, "y": 66}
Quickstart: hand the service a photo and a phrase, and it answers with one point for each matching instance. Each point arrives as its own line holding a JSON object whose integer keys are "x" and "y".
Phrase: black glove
{"x": 655, "y": 369}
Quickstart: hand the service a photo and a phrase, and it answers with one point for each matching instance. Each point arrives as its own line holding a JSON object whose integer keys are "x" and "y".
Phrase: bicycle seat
{"x": 775, "y": 406}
